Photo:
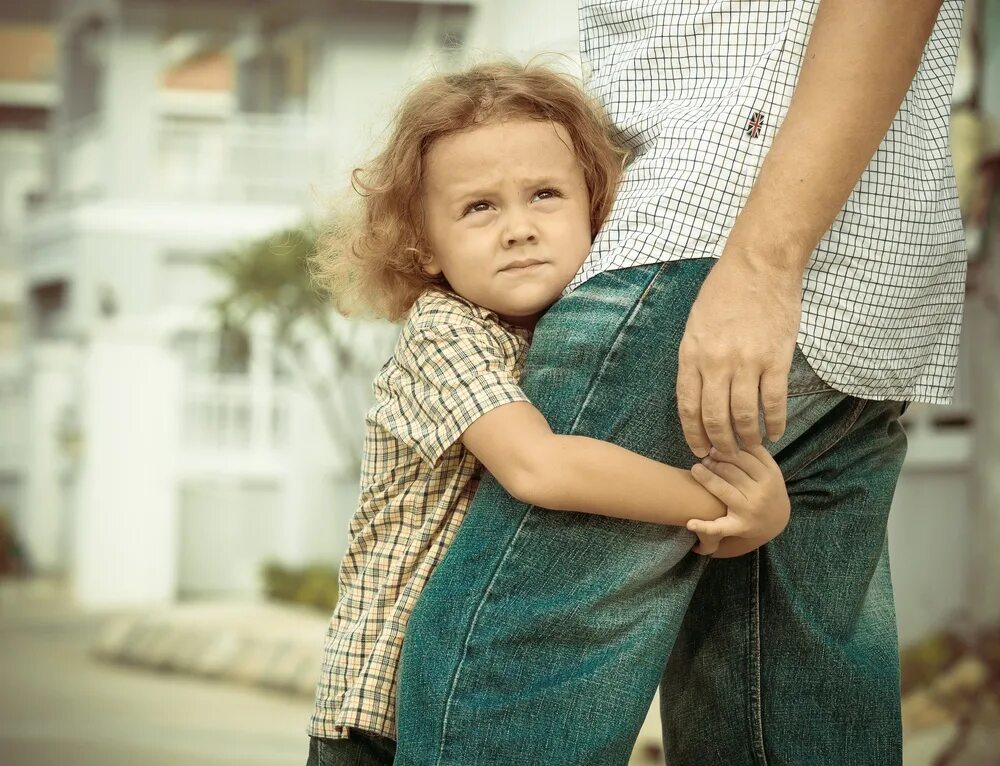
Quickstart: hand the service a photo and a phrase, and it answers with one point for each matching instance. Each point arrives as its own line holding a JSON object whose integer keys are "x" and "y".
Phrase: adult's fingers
{"x": 774, "y": 398}
{"x": 718, "y": 486}
{"x": 746, "y": 413}
{"x": 716, "y": 412}
{"x": 689, "y": 407}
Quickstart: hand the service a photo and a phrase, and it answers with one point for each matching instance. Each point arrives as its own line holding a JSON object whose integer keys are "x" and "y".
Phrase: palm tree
{"x": 334, "y": 357}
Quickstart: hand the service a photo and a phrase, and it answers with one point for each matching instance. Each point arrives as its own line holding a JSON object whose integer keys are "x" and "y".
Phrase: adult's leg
{"x": 789, "y": 655}
{"x": 542, "y": 635}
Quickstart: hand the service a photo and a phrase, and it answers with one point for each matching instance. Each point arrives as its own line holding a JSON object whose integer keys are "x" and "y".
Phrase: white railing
{"x": 246, "y": 158}
{"x": 241, "y": 158}
{"x": 229, "y": 425}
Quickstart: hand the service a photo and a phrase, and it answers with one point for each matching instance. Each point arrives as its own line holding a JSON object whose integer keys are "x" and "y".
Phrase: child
{"x": 477, "y": 215}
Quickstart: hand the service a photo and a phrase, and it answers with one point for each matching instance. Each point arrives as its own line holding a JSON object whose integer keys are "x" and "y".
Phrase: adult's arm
{"x": 737, "y": 347}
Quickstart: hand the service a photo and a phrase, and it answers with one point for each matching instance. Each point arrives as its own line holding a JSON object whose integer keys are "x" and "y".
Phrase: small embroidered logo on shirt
{"x": 755, "y": 125}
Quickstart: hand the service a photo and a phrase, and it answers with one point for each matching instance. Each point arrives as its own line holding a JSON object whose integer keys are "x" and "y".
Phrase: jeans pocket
{"x": 802, "y": 378}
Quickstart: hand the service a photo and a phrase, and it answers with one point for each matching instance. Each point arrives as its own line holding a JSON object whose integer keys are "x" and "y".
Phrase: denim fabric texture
{"x": 361, "y": 748}
{"x": 542, "y": 635}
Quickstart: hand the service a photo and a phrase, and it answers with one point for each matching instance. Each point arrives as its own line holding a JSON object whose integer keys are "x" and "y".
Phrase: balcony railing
{"x": 228, "y": 425}
{"x": 241, "y": 158}
{"x": 250, "y": 158}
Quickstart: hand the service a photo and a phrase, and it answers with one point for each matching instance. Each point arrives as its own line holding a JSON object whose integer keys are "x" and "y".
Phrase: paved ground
{"x": 208, "y": 684}
{"x": 59, "y": 705}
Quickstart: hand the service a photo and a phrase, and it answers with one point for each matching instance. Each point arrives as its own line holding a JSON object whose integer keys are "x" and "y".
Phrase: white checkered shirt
{"x": 453, "y": 363}
{"x": 698, "y": 90}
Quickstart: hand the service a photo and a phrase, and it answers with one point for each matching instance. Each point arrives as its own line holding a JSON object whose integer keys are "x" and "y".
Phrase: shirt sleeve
{"x": 450, "y": 378}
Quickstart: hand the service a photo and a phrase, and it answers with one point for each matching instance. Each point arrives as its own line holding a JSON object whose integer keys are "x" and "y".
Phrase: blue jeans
{"x": 542, "y": 635}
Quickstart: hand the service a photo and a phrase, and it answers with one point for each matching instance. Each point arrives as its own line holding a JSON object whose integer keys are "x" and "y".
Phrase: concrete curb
{"x": 280, "y": 647}
{"x": 261, "y": 644}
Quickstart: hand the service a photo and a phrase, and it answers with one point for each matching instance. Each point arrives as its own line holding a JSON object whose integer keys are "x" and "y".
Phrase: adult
{"x": 788, "y": 237}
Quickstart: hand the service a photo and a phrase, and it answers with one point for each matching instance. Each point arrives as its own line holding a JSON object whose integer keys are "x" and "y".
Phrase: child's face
{"x": 507, "y": 215}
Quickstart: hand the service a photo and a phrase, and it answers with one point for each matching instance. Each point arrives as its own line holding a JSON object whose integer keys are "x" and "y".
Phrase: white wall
{"x": 525, "y": 28}
{"x": 126, "y": 510}
{"x": 51, "y": 376}
{"x": 929, "y": 532}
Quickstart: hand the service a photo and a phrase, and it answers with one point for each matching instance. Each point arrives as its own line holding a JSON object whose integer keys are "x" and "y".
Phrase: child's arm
{"x": 578, "y": 473}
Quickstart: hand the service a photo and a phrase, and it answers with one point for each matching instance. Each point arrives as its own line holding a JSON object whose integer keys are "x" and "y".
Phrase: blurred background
{"x": 181, "y": 416}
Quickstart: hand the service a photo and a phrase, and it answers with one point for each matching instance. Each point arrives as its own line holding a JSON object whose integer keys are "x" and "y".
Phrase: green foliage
{"x": 923, "y": 661}
{"x": 13, "y": 558}
{"x": 271, "y": 276}
{"x": 314, "y": 585}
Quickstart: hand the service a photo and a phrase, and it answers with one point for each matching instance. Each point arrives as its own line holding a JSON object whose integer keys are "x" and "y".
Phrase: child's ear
{"x": 430, "y": 266}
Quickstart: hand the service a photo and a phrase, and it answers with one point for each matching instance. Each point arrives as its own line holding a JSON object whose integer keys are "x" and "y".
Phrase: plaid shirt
{"x": 698, "y": 90}
{"x": 454, "y": 362}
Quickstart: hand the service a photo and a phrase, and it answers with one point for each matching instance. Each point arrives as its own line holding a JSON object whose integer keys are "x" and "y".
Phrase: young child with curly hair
{"x": 476, "y": 217}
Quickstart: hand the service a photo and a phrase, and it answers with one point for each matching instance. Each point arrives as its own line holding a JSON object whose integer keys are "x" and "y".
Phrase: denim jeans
{"x": 542, "y": 635}
{"x": 362, "y": 748}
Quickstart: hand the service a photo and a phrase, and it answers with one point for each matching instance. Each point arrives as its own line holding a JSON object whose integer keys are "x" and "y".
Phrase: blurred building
{"x": 138, "y": 137}
{"x": 140, "y": 458}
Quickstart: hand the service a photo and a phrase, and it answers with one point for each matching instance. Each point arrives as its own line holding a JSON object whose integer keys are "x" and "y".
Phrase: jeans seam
{"x": 807, "y": 391}
{"x": 756, "y": 705}
{"x": 848, "y": 424}
{"x": 510, "y": 546}
{"x": 614, "y": 345}
{"x": 815, "y": 385}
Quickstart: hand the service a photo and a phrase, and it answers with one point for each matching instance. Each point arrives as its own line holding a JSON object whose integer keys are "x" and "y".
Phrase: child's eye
{"x": 547, "y": 193}
{"x": 479, "y": 206}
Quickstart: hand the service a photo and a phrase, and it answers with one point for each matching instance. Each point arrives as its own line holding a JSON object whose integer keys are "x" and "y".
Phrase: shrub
{"x": 314, "y": 585}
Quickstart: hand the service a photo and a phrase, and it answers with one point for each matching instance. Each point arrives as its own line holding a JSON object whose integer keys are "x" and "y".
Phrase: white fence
{"x": 241, "y": 158}
{"x": 247, "y": 158}
{"x": 230, "y": 425}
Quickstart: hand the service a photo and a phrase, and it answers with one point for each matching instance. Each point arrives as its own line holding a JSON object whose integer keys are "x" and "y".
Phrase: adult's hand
{"x": 736, "y": 353}
{"x": 737, "y": 348}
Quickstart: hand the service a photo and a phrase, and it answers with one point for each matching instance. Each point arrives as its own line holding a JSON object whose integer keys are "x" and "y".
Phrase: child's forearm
{"x": 578, "y": 473}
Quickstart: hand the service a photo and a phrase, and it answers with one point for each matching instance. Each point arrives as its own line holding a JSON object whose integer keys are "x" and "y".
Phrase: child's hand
{"x": 707, "y": 544}
{"x": 752, "y": 487}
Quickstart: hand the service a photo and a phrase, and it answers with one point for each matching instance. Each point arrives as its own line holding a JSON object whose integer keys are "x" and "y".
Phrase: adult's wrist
{"x": 782, "y": 261}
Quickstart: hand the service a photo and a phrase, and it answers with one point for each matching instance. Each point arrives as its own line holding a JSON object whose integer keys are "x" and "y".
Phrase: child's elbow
{"x": 526, "y": 484}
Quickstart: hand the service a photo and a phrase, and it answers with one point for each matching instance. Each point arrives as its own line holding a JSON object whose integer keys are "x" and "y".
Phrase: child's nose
{"x": 519, "y": 230}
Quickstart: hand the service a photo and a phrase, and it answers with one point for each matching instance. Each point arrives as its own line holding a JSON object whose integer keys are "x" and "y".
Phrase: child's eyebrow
{"x": 460, "y": 192}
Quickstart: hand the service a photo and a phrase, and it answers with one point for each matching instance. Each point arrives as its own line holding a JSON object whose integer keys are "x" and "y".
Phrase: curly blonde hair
{"x": 375, "y": 265}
